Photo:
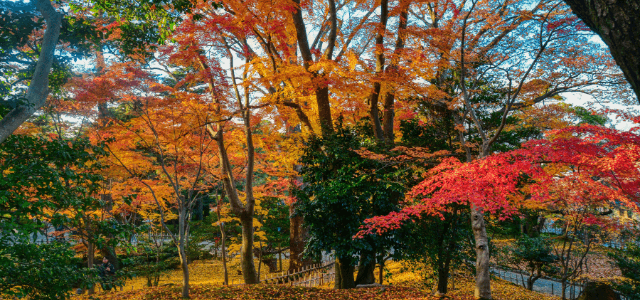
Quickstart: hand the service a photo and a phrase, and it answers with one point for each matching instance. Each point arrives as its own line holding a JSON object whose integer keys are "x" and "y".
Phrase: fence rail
{"x": 309, "y": 276}
{"x": 573, "y": 289}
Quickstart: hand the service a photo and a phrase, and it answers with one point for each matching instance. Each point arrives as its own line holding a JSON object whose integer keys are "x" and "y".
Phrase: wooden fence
{"x": 309, "y": 276}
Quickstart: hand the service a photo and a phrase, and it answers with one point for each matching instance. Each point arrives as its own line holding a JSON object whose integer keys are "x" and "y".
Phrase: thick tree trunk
{"x": 297, "y": 235}
{"x": 322, "y": 90}
{"x": 366, "y": 267}
{"x": 616, "y": 22}
{"x": 445, "y": 267}
{"x": 248, "y": 267}
{"x": 374, "y": 98}
{"x": 443, "y": 282}
{"x": 344, "y": 274}
{"x": 39, "y": 88}
{"x": 483, "y": 279}
{"x": 324, "y": 109}
{"x": 531, "y": 280}
{"x": 389, "y": 99}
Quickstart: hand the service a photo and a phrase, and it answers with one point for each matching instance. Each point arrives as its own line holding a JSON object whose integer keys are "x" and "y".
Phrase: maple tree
{"x": 166, "y": 153}
{"x": 478, "y": 63}
{"x": 585, "y": 165}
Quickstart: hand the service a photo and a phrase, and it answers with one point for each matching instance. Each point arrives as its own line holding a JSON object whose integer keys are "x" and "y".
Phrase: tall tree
{"x": 616, "y": 23}
{"x": 38, "y": 89}
{"x": 597, "y": 166}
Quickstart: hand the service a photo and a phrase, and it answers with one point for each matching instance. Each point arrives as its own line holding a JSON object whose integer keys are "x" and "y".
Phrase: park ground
{"x": 404, "y": 283}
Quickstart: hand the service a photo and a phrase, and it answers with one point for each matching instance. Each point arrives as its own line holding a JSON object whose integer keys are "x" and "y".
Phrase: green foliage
{"x": 435, "y": 135}
{"x": 535, "y": 252}
{"x": 341, "y": 190}
{"x": 48, "y": 182}
{"x": 584, "y": 116}
{"x": 151, "y": 261}
{"x": 19, "y": 54}
{"x": 42, "y": 177}
{"x": 439, "y": 244}
{"x": 628, "y": 260}
{"x": 143, "y": 24}
{"x": 47, "y": 271}
{"x": 275, "y": 221}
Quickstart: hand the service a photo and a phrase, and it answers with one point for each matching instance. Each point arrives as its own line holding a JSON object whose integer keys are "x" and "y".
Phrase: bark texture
{"x": 616, "y": 22}
{"x": 322, "y": 87}
{"x": 365, "y": 272}
{"x": 297, "y": 237}
{"x": 185, "y": 270}
{"x": 344, "y": 274}
{"x": 483, "y": 279}
{"x": 249, "y": 273}
{"x": 375, "y": 95}
{"x": 39, "y": 88}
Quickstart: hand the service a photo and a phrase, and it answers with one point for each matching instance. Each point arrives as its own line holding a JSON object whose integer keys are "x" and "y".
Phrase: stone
{"x": 598, "y": 291}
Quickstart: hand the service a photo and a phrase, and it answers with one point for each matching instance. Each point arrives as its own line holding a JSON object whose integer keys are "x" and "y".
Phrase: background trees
{"x": 198, "y": 101}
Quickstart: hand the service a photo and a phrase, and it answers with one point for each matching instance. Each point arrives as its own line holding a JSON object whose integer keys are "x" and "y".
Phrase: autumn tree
{"x": 602, "y": 169}
{"x": 481, "y": 68}
{"x": 161, "y": 145}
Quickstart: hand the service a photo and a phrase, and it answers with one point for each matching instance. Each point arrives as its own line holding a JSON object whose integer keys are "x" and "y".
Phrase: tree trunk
{"x": 259, "y": 261}
{"x": 374, "y": 98}
{"x": 90, "y": 257}
{"x": 248, "y": 268}
{"x": 530, "y": 282}
{"x": 224, "y": 256}
{"x": 366, "y": 266}
{"x": 483, "y": 279}
{"x": 380, "y": 276}
{"x": 185, "y": 270}
{"x": 38, "y": 90}
{"x": 389, "y": 99}
{"x": 324, "y": 109}
{"x": 444, "y": 268}
{"x": 297, "y": 235}
{"x": 616, "y": 22}
{"x": 224, "y": 250}
{"x": 344, "y": 274}
{"x": 443, "y": 281}
{"x": 322, "y": 90}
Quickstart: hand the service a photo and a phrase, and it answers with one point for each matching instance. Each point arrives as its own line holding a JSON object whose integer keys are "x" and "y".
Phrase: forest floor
{"x": 206, "y": 283}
